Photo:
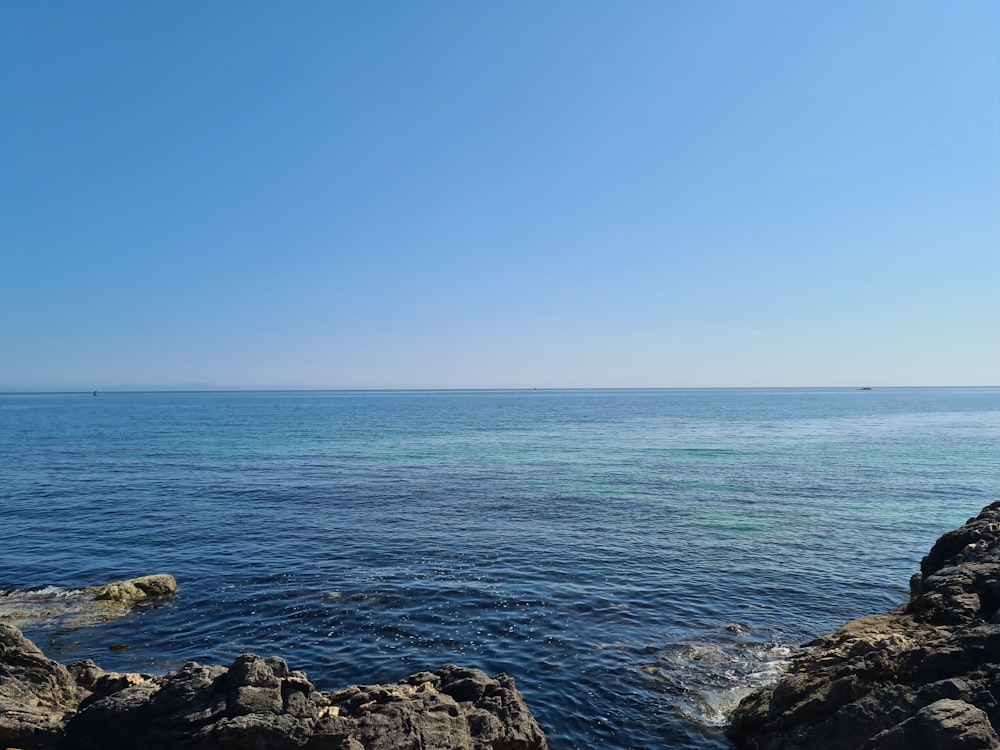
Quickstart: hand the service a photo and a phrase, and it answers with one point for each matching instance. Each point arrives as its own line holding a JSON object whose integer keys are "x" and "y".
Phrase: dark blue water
{"x": 634, "y": 559}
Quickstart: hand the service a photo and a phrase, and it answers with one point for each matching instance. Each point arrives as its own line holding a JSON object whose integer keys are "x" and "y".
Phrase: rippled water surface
{"x": 635, "y": 559}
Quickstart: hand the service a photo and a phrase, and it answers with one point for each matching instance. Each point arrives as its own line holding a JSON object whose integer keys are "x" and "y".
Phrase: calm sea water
{"x": 633, "y": 558}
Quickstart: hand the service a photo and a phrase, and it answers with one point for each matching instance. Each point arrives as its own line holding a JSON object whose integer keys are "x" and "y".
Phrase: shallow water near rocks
{"x": 636, "y": 560}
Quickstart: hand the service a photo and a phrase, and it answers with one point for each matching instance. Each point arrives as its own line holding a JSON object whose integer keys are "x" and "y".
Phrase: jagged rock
{"x": 952, "y": 724}
{"x": 926, "y": 675}
{"x": 259, "y": 703}
{"x": 36, "y": 693}
{"x": 256, "y": 703}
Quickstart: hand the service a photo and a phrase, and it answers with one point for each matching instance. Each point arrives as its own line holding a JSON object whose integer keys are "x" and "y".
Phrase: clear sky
{"x": 522, "y": 193}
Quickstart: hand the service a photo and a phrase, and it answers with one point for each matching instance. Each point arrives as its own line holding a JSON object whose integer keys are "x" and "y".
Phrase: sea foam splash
{"x": 55, "y": 606}
{"x": 707, "y": 680}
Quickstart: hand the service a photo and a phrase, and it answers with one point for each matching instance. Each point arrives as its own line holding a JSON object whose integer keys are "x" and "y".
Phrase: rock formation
{"x": 926, "y": 675}
{"x": 134, "y": 590}
{"x": 75, "y": 607}
{"x": 256, "y": 703}
{"x": 36, "y": 693}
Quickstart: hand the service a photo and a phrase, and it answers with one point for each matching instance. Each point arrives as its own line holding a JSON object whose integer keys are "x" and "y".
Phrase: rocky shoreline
{"x": 925, "y": 676}
{"x": 255, "y": 703}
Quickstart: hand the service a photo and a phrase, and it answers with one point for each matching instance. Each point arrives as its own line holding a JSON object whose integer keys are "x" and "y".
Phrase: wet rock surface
{"x": 74, "y": 607}
{"x": 254, "y": 703}
{"x": 926, "y": 675}
{"x": 135, "y": 589}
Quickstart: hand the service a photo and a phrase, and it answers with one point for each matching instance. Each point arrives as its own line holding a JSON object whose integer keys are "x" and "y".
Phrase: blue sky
{"x": 499, "y": 194}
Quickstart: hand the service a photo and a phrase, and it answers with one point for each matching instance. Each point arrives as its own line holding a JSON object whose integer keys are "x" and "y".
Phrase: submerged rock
{"x": 254, "y": 703}
{"x": 926, "y": 675}
{"x": 74, "y": 607}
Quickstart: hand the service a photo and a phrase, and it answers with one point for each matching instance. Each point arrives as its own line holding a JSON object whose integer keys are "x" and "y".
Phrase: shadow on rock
{"x": 254, "y": 703}
{"x": 922, "y": 677}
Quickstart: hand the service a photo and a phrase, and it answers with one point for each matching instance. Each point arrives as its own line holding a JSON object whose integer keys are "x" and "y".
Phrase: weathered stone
{"x": 112, "y": 721}
{"x": 85, "y": 673}
{"x": 92, "y": 678}
{"x": 254, "y": 700}
{"x": 922, "y": 676}
{"x": 952, "y": 724}
{"x": 62, "y": 607}
{"x": 36, "y": 693}
{"x": 255, "y": 704}
{"x": 464, "y": 684}
{"x": 250, "y": 670}
{"x": 135, "y": 589}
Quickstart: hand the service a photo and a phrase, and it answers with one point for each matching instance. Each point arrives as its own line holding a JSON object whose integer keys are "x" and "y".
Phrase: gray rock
{"x": 952, "y": 724}
{"x": 36, "y": 693}
{"x": 255, "y": 704}
{"x": 925, "y": 675}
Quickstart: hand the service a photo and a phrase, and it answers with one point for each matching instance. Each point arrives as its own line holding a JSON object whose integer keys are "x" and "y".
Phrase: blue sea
{"x": 635, "y": 559}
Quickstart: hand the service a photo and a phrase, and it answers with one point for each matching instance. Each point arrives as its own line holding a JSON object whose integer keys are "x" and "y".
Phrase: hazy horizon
{"x": 208, "y": 388}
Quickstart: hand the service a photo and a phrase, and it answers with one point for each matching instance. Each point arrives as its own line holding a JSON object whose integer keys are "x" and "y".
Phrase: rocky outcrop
{"x": 926, "y": 675}
{"x": 55, "y": 605}
{"x": 36, "y": 693}
{"x": 135, "y": 590}
{"x": 256, "y": 703}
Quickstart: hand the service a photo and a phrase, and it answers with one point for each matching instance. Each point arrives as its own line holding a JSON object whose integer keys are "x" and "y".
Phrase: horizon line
{"x": 447, "y": 389}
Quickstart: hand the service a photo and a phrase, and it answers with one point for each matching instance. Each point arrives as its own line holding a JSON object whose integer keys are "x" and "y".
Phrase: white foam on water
{"x": 706, "y": 681}
{"x": 51, "y": 604}
{"x": 46, "y": 592}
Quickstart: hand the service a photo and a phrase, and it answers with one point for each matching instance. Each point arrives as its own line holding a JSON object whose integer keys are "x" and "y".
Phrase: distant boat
{"x": 865, "y": 388}
{"x": 95, "y": 393}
